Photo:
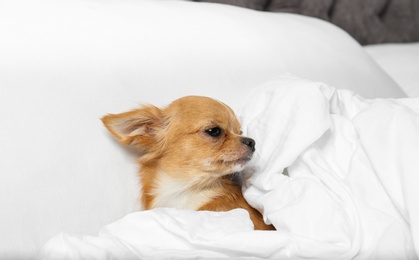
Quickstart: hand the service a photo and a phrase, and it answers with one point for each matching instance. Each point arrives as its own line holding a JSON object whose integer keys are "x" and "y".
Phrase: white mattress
{"x": 401, "y": 62}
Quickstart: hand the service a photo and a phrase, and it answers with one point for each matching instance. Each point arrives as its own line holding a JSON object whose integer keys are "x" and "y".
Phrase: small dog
{"x": 189, "y": 150}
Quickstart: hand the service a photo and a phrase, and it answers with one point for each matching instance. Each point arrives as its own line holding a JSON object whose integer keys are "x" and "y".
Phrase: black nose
{"x": 249, "y": 142}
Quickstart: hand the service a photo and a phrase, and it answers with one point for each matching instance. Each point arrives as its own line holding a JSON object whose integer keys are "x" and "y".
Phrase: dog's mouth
{"x": 239, "y": 161}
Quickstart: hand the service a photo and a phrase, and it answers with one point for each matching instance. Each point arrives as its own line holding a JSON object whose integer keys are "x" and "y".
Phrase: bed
{"x": 400, "y": 61}
{"x": 335, "y": 121}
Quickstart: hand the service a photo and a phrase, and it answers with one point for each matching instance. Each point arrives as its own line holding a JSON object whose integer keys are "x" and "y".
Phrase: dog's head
{"x": 193, "y": 135}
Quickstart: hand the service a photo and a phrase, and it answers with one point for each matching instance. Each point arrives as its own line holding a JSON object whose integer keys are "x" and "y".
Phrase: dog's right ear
{"x": 137, "y": 127}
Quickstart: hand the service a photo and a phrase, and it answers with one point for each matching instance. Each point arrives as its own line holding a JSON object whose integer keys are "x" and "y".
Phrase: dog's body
{"x": 188, "y": 152}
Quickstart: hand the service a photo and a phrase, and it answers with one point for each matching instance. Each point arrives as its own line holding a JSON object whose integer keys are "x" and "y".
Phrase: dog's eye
{"x": 214, "y": 132}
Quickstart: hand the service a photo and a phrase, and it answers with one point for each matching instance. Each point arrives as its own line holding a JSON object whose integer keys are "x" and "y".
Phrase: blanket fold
{"x": 345, "y": 158}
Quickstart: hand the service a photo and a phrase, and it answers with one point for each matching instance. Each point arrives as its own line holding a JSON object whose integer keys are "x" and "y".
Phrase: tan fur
{"x": 182, "y": 165}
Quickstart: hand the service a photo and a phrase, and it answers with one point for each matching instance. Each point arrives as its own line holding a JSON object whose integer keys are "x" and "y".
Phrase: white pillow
{"x": 64, "y": 64}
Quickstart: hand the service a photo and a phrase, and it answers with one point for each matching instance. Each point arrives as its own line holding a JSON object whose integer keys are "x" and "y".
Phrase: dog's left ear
{"x": 137, "y": 127}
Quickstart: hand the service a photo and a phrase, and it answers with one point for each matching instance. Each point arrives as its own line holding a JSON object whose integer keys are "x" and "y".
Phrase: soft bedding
{"x": 335, "y": 173}
{"x": 64, "y": 64}
{"x": 401, "y": 62}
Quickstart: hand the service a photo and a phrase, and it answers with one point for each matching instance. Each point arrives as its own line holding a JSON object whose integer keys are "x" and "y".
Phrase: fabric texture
{"x": 254, "y": 4}
{"x": 369, "y": 22}
{"x": 334, "y": 167}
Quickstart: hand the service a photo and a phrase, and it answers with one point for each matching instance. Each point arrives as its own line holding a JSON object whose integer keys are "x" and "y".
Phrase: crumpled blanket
{"x": 334, "y": 173}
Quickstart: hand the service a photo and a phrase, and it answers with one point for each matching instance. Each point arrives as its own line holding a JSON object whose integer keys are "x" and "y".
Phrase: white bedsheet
{"x": 350, "y": 193}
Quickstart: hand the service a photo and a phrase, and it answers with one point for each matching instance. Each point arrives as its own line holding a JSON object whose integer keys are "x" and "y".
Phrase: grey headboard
{"x": 368, "y": 21}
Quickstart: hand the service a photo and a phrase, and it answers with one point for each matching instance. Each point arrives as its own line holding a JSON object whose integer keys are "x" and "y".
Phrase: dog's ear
{"x": 137, "y": 127}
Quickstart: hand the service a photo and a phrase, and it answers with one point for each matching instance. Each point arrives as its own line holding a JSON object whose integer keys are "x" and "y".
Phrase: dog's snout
{"x": 249, "y": 142}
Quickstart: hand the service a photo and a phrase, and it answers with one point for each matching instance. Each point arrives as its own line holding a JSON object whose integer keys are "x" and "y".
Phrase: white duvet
{"x": 336, "y": 174}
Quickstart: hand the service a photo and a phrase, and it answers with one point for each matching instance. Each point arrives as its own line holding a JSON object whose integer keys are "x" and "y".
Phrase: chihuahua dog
{"x": 188, "y": 152}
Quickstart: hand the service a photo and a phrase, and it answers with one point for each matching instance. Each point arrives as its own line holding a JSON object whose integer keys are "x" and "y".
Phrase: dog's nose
{"x": 249, "y": 142}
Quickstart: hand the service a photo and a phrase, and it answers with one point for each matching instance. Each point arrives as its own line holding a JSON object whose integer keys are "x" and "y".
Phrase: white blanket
{"x": 334, "y": 173}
